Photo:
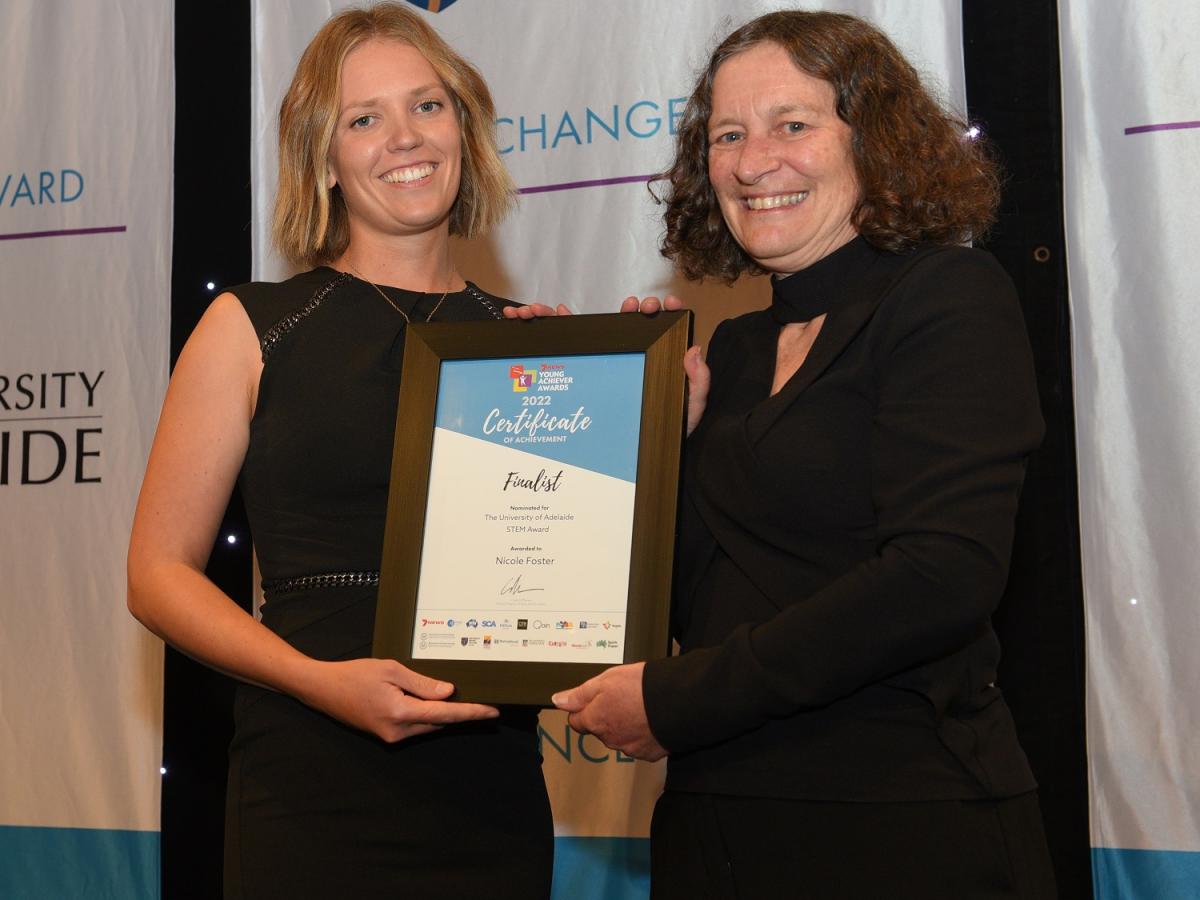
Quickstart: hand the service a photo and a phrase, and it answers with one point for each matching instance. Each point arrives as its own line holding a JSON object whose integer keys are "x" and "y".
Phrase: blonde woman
{"x": 349, "y": 776}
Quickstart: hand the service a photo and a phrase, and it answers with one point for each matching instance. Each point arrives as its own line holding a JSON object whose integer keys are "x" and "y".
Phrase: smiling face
{"x": 779, "y": 159}
{"x": 397, "y": 146}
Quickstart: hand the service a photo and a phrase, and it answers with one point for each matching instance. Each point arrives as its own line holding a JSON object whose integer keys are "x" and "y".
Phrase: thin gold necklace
{"x": 392, "y": 303}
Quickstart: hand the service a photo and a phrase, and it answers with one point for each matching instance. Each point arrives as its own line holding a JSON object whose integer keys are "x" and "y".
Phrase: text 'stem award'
{"x": 531, "y": 515}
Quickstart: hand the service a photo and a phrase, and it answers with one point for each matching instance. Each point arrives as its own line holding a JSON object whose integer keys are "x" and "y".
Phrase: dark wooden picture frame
{"x": 663, "y": 338}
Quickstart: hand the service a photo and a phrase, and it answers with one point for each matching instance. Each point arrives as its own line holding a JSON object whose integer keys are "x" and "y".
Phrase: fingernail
{"x": 558, "y": 699}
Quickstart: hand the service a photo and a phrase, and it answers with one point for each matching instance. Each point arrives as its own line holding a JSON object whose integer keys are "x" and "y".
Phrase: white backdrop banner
{"x": 85, "y": 231}
{"x": 588, "y": 97}
{"x": 1131, "y": 100}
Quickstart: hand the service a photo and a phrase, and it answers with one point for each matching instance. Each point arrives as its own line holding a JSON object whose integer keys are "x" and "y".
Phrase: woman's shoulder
{"x": 297, "y": 288}
{"x": 488, "y": 299}
{"x": 960, "y": 297}
{"x": 933, "y": 280}
{"x": 740, "y": 337}
{"x": 953, "y": 266}
{"x": 748, "y": 328}
{"x": 743, "y": 324}
{"x": 269, "y": 302}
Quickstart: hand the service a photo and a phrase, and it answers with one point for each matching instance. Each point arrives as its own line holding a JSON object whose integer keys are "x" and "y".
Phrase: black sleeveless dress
{"x": 317, "y": 809}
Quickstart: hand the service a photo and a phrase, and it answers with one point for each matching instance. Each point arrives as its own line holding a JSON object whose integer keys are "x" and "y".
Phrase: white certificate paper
{"x": 529, "y": 514}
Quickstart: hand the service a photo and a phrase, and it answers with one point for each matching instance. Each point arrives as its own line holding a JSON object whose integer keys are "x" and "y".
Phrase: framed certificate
{"x": 531, "y": 515}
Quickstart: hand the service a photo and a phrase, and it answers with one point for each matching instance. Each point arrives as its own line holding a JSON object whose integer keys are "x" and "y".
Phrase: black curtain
{"x": 211, "y": 246}
{"x": 1013, "y": 95}
{"x": 1012, "y": 69}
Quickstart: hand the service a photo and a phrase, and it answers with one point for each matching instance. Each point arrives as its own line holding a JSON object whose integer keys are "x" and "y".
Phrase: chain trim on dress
{"x": 281, "y": 328}
{"x": 324, "y": 580}
{"x": 484, "y": 301}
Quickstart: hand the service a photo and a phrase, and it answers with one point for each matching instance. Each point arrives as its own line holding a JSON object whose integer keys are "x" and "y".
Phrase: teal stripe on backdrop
{"x": 79, "y": 863}
{"x": 591, "y": 868}
{"x": 1146, "y": 874}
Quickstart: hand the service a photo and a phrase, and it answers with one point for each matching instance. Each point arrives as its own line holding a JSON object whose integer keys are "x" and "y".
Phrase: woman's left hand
{"x": 611, "y": 707}
{"x": 647, "y": 305}
{"x": 534, "y": 311}
{"x": 651, "y": 305}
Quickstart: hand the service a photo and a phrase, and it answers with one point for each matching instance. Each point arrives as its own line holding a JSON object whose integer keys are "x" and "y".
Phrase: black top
{"x": 318, "y": 809}
{"x": 844, "y": 542}
{"x": 316, "y": 473}
{"x": 315, "y": 477}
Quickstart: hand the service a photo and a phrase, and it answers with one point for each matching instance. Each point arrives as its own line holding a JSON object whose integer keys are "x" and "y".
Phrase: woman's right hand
{"x": 693, "y": 361}
{"x": 699, "y": 378}
{"x": 386, "y": 699}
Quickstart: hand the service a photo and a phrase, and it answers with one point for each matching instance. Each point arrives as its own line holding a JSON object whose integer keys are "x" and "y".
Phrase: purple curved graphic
{"x": 26, "y": 235}
{"x": 1165, "y": 126}
{"x": 574, "y": 185}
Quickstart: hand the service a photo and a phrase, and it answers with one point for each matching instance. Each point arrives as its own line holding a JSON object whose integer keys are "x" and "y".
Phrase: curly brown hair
{"x": 922, "y": 179}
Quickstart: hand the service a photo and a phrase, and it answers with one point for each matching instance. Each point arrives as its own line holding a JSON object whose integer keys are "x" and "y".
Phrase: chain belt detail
{"x": 324, "y": 580}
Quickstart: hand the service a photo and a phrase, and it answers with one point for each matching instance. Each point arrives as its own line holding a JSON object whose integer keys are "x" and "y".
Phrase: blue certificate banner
{"x": 529, "y": 515}
{"x": 581, "y": 410}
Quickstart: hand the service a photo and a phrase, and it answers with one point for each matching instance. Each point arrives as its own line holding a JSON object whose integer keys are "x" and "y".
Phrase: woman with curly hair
{"x": 833, "y": 725}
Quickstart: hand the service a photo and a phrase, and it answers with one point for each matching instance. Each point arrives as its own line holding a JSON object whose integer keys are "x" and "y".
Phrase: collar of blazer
{"x": 862, "y": 279}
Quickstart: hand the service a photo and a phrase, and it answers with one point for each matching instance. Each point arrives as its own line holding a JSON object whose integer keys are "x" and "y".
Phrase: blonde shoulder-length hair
{"x": 311, "y": 223}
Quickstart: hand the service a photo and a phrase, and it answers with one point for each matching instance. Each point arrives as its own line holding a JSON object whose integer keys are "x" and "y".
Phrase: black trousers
{"x": 717, "y": 847}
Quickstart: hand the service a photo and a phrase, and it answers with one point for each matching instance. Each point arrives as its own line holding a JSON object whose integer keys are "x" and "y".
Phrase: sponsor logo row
{"x": 521, "y": 624}
{"x": 441, "y": 639}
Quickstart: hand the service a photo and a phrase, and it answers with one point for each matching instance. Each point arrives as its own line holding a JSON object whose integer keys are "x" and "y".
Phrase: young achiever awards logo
{"x": 522, "y": 381}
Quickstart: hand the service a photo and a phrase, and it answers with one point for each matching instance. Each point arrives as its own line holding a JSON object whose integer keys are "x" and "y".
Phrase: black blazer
{"x": 844, "y": 542}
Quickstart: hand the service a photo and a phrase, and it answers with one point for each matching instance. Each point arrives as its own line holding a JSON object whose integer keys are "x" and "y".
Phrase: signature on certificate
{"x": 513, "y": 587}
